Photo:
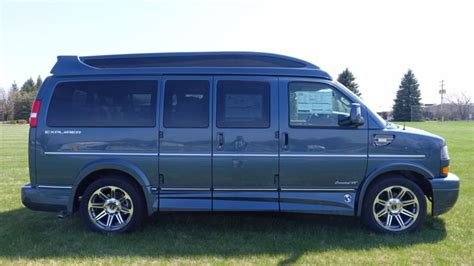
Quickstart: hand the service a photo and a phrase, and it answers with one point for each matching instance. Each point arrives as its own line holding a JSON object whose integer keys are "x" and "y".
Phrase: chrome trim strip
{"x": 184, "y": 154}
{"x": 56, "y": 187}
{"x": 245, "y": 189}
{"x": 185, "y": 188}
{"x": 318, "y": 189}
{"x": 261, "y": 189}
{"x": 241, "y": 154}
{"x": 396, "y": 156}
{"x": 102, "y": 153}
{"x": 245, "y": 155}
{"x": 354, "y": 155}
{"x": 324, "y": 155}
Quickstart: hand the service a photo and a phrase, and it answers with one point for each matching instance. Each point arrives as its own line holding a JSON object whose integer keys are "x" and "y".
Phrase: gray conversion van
{"x": 123, "y": 136}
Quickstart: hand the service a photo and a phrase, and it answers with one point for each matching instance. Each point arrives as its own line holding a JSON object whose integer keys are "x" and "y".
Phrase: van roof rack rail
{"x": 186, "y": 63}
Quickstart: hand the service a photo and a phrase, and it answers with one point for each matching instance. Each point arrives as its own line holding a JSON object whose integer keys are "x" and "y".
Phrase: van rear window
{"x": 117, "y": 103}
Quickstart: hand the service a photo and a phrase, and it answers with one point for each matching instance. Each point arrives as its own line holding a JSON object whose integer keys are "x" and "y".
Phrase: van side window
{"x": 317, "y": 105}
{"x": 186, "y": 104}
{"x": 243, "y": 104}
{"x": 117, "y": 103}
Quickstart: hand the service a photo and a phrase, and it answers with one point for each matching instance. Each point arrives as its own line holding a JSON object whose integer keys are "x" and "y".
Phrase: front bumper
{"x": 445, "y": 193}
{"x": 45, "y": 199}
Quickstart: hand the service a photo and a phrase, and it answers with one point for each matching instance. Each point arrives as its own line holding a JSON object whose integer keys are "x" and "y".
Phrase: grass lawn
{"x": 28, "y": 237}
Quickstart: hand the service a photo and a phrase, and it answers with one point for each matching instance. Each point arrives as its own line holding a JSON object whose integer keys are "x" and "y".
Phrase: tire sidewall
{"x": 374, "y": 190}
{"x": 133, "y": 192}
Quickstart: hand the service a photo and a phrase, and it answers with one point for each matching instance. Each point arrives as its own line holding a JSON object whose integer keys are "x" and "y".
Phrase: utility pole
{"x": 442, "y": 92}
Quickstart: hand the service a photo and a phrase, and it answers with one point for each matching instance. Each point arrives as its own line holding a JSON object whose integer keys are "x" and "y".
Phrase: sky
{"x": 377, "y": 40}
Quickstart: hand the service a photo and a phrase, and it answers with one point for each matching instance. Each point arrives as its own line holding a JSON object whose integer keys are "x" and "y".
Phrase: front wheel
{"x": 112, "y": 204}
{"x": 394, "y": 205}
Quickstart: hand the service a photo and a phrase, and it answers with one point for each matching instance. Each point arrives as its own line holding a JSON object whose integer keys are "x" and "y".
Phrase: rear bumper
{"x": 445, "y": 193}
{"x": 45, "y": 199}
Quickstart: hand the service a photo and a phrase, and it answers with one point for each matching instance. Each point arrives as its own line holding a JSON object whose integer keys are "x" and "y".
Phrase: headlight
{"x": 444, "y": 153}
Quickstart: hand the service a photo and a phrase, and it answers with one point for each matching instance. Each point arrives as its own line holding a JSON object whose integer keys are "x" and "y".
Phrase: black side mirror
{"x": 356, "y": 115}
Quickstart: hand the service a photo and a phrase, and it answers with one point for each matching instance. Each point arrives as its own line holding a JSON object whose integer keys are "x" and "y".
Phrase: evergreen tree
{"x": 347, "y": 79}
{"x": 38, "y": 83}
{"x": 14, "y": 87}
{"x": 28, "y": 86}
{"x": 24, "y": 98}
{"x": 407, "y": 105}
{"x": 23, "y": 103}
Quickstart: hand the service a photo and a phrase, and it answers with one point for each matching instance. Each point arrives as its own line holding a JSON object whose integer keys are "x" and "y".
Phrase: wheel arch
{"x": 415, "y": 173}
{"x": 100, "y": 168}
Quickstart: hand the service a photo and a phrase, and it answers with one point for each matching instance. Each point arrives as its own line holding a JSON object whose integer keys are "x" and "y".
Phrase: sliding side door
{"x": 245, "y": 151}
{"x": 185, "y": 144}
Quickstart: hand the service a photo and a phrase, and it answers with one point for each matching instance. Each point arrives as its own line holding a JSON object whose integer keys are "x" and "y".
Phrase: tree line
{"x": 407, "y": 103}
{"x": 15, "y": 104}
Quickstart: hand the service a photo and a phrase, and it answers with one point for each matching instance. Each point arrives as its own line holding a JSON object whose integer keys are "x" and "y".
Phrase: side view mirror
{"x": 356, "y": 115}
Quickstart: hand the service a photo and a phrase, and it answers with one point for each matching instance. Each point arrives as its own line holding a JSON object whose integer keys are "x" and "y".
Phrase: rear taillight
{"x": 34, "y": 113}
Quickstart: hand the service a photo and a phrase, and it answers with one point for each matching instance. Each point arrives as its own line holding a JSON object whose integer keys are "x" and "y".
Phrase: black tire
{"x": 392, "y": 207}
{"x": 134, "y": 203}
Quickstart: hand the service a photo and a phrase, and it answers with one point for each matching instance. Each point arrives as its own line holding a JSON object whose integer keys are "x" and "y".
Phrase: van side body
{"x": 227, "y": 131}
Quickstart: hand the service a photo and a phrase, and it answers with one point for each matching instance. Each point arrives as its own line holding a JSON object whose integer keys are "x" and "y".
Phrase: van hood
{"x": 413, "y": 131}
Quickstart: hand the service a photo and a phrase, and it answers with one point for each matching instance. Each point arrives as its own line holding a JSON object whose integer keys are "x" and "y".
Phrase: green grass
{"x": 28, "y": 237}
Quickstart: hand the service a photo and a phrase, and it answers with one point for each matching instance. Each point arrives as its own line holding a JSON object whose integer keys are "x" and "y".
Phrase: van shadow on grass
{"x": 30, "y": 235}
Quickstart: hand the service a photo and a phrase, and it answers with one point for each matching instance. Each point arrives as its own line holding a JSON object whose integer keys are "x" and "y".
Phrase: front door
{"x": 185, "y": 144}
{"x": 322, "y": 158}
{"x": 245, "y": 144}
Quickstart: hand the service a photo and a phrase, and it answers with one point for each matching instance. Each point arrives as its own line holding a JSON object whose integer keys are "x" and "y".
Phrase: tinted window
{"x": 243, "y": 104}
{"x": 186, "y": 103}
{"x": 315, "y": 104}
{"x": 122, "y": 103}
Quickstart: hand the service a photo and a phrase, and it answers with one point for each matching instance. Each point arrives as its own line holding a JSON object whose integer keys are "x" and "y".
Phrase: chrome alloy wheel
{"x": 110, "y": 208}
{"x": 396, "y": 208}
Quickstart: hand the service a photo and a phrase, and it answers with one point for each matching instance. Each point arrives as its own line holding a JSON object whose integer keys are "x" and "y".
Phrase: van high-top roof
{"x": 197, "y": 63}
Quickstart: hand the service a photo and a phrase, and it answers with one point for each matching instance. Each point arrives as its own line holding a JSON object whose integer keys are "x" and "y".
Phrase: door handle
{"x": 285, "y": 141}
{"x": 220, "y": 141}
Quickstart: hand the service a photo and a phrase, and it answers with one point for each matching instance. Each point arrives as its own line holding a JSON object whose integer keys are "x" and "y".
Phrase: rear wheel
{"x": 112, "y": 204}
{"x": 394, "y": 205}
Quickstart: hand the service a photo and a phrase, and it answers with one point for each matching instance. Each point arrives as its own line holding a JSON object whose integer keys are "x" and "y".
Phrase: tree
{"x": 23, "y": 103}
{"x": 462, "y": 103}
{"x": 407, "y": 105}
{"x": 3, "y": 104}
{"x": 28, "y": 86}
{"x": 38, "y": 83}
{"x": 16, "y": 104}
{"x": 7, "y": 102}
{"x": 14, "y": 87}
{"x": 11, "y": 102}
{"x": 347, "y": 79}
